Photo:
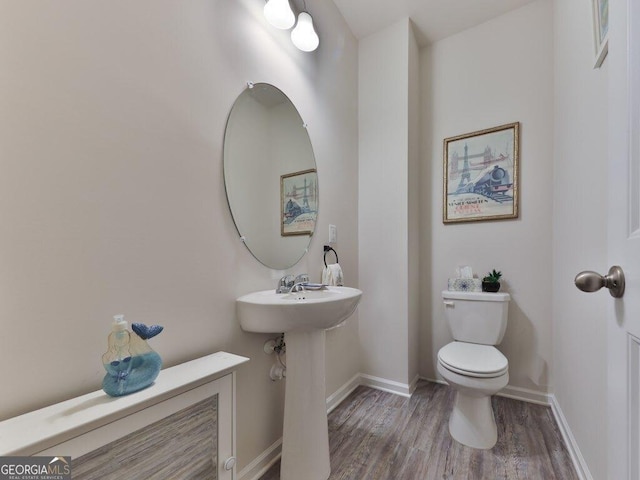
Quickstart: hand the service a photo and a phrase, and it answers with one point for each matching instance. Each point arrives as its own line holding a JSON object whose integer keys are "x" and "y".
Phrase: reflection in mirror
{"x": 270, "y": 176}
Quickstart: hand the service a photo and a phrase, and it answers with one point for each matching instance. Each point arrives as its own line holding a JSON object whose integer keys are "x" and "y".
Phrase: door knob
{"x": 591, "y": 281}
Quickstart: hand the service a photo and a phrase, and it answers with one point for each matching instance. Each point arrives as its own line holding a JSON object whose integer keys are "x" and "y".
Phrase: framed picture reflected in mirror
{"x": 298, "y": 202}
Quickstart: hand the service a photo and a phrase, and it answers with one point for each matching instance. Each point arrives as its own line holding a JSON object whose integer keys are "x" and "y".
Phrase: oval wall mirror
{"x": 270, "y": 176}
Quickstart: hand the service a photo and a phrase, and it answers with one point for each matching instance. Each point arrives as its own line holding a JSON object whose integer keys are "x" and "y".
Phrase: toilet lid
{"x": 473, "y": 360}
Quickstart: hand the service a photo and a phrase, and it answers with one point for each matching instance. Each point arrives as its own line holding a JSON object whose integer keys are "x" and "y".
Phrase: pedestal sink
{"x": 303, "y": 317}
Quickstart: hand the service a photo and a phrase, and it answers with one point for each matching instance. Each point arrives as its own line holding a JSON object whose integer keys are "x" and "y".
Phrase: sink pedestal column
{"x": 305, "y": 445}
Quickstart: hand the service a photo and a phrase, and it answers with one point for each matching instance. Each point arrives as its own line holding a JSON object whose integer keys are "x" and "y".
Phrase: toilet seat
{"x": 473, "y": 360}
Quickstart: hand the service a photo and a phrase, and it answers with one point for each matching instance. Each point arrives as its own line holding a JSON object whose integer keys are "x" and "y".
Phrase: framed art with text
{"x": 481, "y": 175}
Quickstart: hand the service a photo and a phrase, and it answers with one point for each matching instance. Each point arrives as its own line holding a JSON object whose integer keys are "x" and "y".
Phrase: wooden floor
{"x": 374, "y": 435}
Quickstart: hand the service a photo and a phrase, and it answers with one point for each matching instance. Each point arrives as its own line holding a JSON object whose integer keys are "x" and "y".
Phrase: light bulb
{"x": 279, "y": 14}
{"x": 304, "y": 36}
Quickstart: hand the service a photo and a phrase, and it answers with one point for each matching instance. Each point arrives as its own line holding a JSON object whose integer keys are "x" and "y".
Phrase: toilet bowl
{"x": 472, "y": 422}
{"x": 472, "y": 366}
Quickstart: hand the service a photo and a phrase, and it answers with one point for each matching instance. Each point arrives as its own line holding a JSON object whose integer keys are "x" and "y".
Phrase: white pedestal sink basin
{"x": 305, "y": 311}
{"x": 303, "y": 317}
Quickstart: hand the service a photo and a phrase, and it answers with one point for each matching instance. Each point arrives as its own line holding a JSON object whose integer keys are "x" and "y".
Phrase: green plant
{"x": 493, "y": 277}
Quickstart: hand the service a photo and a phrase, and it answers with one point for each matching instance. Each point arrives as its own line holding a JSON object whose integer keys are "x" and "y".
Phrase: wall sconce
{"x": 279, "y": 14}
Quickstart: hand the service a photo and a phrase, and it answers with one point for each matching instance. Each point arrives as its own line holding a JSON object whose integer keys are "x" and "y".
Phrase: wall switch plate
{"x": 333, "y": 233}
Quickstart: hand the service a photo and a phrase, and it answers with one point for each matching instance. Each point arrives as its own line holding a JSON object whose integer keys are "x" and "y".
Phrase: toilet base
{"x": 472, "y": 422}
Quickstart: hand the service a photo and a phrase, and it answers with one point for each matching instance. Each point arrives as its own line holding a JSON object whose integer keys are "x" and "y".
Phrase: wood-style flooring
{"x": 374, "y": 435}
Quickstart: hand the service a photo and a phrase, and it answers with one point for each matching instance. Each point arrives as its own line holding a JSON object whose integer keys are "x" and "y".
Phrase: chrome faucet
{"x": 285, "y": 284}
{"x": 298, "y": 287}
{"x": 299, "y": 282}
{"x": 289, "y": 283}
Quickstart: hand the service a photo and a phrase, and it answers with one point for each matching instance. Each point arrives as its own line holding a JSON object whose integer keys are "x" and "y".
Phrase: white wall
{"x": 387, "y": 243}
{"x": 112, "y": 118}
{"x": 413, "y": 208}
{"x": 496, "y": 73}
{"x": 580, "y": 235}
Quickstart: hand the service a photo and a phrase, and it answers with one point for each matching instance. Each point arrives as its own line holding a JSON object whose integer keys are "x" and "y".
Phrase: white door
{"x": 624, "y": 239}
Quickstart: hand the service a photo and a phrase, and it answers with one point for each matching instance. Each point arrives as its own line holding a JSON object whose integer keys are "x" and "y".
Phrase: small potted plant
{"x": 491, "y": 283}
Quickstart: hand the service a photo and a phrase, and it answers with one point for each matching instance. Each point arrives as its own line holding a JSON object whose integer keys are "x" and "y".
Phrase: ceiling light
{"x": 279, "y": 14}
{"x": 304, "y": 36}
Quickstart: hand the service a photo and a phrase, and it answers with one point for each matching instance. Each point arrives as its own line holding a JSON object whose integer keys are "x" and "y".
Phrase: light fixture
{"x": 279, "y": 14}
{"x": 304, "y": 36}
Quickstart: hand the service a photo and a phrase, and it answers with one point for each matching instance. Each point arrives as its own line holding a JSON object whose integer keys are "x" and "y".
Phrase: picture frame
{"x": 480, "y": 180}
{"x": 600, "y": 9}
{"x": 298, "y": 202}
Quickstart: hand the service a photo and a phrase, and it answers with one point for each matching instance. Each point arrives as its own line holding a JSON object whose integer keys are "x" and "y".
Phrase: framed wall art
{"x": 298, "y": 202}
{"x": 481, "y": 175}
{"x": 600, "y": 30}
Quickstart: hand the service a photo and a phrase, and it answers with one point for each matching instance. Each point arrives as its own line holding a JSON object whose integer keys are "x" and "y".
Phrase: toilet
{"x": 472, "y": 366}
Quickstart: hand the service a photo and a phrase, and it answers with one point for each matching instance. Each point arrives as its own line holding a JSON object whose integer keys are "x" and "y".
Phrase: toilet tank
{"x": 476, "y": 317}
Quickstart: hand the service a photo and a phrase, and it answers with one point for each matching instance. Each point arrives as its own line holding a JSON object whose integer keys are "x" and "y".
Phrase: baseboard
{"x": 569, "y": 440}
{"x": 526, "y": 395}
{"x": 434, "y": 380}
{"x": 517, "y": 393}
{"x": 391, "y": 386}
{"x": 414, "y": 384}
{"x": 386, "y": 385}
{"x": 343, "y": 392}
{"x": 262, "y": 462}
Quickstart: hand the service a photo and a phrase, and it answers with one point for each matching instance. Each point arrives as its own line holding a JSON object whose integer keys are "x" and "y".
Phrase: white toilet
{"x": 472, "y": 366}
